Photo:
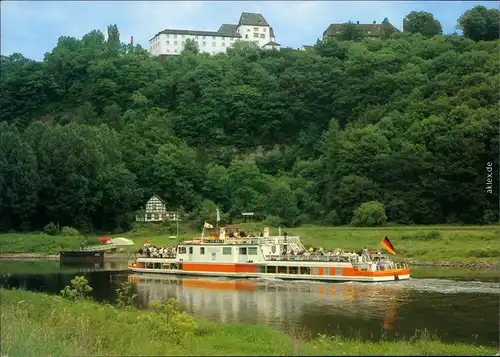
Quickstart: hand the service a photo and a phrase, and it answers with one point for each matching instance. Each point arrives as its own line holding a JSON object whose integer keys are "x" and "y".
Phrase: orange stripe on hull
{"x": 134, "y": 279}
{"x": 219, "y": 268}
{"x": 380, "y": 273}
{"x": 226, "y": 285}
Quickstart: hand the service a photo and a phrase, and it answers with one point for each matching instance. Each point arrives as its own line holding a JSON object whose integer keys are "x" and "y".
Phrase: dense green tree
{"x": 351, "y": 32}
{"x": 423, "y": 23}
{"x": 480, "y": 24}
{"x": 89, "y": 133}
{"x": 369, "y": 214}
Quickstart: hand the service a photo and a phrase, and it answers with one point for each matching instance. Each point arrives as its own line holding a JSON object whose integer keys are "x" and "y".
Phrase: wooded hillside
{"x": 91, "y": 132}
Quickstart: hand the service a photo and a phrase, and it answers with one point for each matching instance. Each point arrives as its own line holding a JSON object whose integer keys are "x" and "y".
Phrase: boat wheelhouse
{"x": 230, "y": 252}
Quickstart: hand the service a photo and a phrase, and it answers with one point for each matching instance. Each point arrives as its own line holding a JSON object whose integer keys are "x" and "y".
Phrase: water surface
{"x": 455, "y": 311}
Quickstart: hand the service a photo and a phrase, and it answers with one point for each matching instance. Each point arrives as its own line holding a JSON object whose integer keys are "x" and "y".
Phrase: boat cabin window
{"x": 273, "y": 249}
{"x": 252, "y": 251}
{"x": 271, "y": 269}
{"x": 305, "y": 270}
{"x": 243, "y": 251}
{"x": 202, "y": 250}
{"x": 226, "y": 251}
{"x": 182, "y": 250}
{"x": 190, "y": 250}
{"x": 282, "y": 269}
{"x": 293, "y": 270}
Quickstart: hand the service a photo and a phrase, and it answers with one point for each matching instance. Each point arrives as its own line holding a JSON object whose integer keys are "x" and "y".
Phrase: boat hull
{"x": 359, "y": 276}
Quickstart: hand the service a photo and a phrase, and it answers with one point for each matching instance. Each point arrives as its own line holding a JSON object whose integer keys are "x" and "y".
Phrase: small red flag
{"x": 386, "y": 243}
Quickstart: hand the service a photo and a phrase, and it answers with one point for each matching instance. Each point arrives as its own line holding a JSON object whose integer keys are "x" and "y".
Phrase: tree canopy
{"x": 91, "y": 132}
{"x": 479, "y": 23}
{"x": 423, "y": 23}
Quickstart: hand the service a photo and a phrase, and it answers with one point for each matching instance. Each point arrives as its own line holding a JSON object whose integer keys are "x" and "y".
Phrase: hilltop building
{"x": 156, "y": 211}
{"x": 251, "y": 27}
{"x": 373, "y": 30}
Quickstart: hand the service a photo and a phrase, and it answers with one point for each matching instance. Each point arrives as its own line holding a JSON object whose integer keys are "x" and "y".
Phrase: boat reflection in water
{"x": 315, "y": 307}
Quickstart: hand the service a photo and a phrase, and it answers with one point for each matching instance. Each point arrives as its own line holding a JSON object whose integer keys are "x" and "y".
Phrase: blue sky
{"x": 33, "y": 27}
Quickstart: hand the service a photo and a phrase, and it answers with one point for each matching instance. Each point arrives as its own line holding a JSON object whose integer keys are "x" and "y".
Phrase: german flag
{"x": 386, "y": 243}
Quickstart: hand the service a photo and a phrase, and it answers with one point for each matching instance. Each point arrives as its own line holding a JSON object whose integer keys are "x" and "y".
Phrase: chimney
{"x": 132, "y": 41}
{"x": 357, "y": 22}
{"x": 374, "y": 22}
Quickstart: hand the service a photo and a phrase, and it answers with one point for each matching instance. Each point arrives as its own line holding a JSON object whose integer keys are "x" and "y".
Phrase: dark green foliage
{"x": 369, "y": 214}
{"x": 480, "y": 23}
{"x": 91, "y": 132}
{"x": 51, "y": 229}
{"x": 351, "y": 32}
{"x": 423, "y": 23}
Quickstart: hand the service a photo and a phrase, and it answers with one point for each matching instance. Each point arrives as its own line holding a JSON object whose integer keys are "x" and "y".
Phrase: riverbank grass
{"x": 40, "y": 243}
{"x": 443, "y": 243}
{"x": 36, "y": 324}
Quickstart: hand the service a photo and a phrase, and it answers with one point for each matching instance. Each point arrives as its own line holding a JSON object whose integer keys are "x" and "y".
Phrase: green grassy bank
{"x": 474, "y": 244}
{"x": 35, "y": 324}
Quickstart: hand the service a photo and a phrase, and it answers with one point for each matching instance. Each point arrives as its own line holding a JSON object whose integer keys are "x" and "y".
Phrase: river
{"x": 453, "y": 310}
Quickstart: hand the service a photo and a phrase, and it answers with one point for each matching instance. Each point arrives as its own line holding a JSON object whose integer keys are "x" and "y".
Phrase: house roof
{"x": 375, "y": 30}
{"x": 272, "y": 43}
{"x": 252, "y": 19}
{"x": 158, "y": 197}
{"x": 229, "y": 29}
{"x": 195, "y": 33}
{"x": 271, "y": 32}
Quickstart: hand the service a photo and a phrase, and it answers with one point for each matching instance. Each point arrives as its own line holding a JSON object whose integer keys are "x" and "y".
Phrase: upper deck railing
{"x": 327, "y": 258}
{"x": 250, "y": 240}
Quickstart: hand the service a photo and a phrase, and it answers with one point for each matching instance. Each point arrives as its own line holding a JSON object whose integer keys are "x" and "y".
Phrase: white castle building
{"x": 251, "y": 27}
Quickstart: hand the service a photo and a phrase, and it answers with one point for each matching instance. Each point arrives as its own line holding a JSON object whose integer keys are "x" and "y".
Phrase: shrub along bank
{"x": 36, "y": 324}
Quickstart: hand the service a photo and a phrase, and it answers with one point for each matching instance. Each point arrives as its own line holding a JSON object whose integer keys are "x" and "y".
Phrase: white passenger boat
{"x": 229, "y": 252}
